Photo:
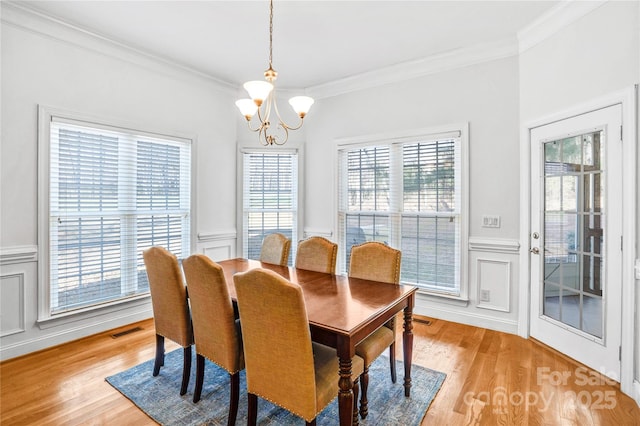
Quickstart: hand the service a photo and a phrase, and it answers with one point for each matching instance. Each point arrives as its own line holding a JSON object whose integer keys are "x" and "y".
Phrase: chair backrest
{"x": 168, "y": 296}
{"x": 214, "y": 327}
{"x": 277, "y": 341}
{"x": 317, "y": 254}
{"x": 375, "y": 261}
{"x": 275, "y": 249}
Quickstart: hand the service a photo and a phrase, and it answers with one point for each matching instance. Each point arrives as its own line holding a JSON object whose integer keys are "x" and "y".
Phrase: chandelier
{"x": 263, "y": 101}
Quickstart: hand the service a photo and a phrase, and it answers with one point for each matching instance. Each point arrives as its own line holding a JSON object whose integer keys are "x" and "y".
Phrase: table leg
{"x": 345, "y": 394}
{"x": 407, "y": 343}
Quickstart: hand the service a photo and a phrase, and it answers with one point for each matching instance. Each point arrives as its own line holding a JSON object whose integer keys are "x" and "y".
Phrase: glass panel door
{"x": 573, "y": 194}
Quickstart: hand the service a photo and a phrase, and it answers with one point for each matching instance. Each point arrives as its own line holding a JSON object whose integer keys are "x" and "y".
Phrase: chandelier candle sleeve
{"x": 263, "y": 102}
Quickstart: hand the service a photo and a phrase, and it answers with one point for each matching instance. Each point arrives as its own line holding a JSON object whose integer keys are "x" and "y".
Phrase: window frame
{"x": 46, "y": 114}
{"x": 395, "y": 141}
{"x": 293, "y": 148}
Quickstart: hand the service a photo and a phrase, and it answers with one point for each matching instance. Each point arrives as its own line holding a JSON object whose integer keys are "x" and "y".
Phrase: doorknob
{"x": 535, "y": 250}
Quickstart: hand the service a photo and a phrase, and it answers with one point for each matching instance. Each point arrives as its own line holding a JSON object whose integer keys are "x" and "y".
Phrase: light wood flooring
{"x": 493, "y": 378}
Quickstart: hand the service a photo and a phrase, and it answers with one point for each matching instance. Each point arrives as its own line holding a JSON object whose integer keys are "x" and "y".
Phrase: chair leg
{"x": 234, "y": 398}
{"x": 159, "y": 355}
{"x": 252, "y": 409}
{"x": 356, "y": 389}
{"x": 199, "y": 377}
{"x": 364, "y": 384}
{"x": 186, "y": 369}
{"x": 392, "y": 361}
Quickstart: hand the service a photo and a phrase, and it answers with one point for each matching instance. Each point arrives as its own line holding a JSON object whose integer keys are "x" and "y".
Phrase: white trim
{"x": 628, "y": 99}
{"x": 494, "y": 245}
{"x": 441, "y": 311}
{"x": 326, "y": 233}
{"x": 229, "y": 234}
{"x": 554, "y": 20}
{"x": 22, "y": 16}
{"x": 18, "y": 254}
{"x": 457, "y": 58}
{"x": 67, "y": 334}
{"x": 636, "y": 393}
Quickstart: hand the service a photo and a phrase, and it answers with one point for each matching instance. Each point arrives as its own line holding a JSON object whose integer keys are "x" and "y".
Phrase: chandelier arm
{"x": 251, "y": 128}
{"x": 286, "y": 137}
{"x": 282, "y": 123}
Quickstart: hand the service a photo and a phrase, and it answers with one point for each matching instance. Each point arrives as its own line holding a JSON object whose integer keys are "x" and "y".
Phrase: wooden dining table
{"x": 343, "y": 311}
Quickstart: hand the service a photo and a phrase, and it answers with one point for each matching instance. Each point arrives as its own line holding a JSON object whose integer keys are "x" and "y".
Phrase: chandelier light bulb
{"x": 301, "y": 105}
{"x": 258, "y": 90}
{"x": 247, "y": 107}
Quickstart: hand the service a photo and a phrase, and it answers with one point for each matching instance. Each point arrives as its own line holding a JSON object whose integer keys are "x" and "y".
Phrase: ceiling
{"x": 315, "y": 42}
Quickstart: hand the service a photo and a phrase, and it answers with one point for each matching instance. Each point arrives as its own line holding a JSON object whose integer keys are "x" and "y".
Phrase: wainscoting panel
{"x": 219, "y": 245}
{"x": 494, "y": 284}
{"x": 492, "y": 266}
{"x": 12, "y": 304}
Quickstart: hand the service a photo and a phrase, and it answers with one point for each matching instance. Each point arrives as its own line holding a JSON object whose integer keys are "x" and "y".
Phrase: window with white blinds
{"x": 270, "y": 198}
{"x": 408, "y": 195}
{"x": 112, "y": 194}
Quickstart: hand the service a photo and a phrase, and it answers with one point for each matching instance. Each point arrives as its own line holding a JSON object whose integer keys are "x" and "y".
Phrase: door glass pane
{"x": 573, "y": 233}
{"x": 551, "y": 303}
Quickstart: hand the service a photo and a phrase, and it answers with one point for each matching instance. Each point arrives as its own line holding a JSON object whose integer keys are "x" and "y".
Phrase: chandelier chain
{"x": 271, "y": 34}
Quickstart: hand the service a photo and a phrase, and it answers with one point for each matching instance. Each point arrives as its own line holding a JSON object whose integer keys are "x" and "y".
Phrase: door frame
{"x": 627, "y": 98}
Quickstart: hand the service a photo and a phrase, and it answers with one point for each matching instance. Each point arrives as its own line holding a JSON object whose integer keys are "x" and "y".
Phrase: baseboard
{"x": 23, "y": 347}
{"x": 636, "y": 392}
{"x": 468, "y": 318}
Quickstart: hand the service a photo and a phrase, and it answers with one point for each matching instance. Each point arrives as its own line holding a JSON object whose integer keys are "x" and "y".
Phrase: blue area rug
{"x": 159, "y": 397}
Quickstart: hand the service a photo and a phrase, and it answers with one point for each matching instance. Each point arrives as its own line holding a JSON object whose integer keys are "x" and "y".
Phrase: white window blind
{"x": 112, "y": 194}
{"x": 270, "y": 198}
{"x": 407, "y": 195}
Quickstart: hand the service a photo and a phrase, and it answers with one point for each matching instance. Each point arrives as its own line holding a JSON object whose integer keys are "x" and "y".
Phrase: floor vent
{"x": 422, "y": 321}
{"x": 125, "y": 332}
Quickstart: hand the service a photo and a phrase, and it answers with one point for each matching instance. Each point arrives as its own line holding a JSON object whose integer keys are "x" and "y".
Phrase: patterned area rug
{"x": 159, "y": 397}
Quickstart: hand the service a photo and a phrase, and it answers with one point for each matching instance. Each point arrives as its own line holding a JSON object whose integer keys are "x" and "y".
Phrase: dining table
{"x": 342, "y": 311}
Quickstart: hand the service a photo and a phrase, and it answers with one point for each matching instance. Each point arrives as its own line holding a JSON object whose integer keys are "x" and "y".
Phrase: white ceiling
{"x": 315, "y": 42}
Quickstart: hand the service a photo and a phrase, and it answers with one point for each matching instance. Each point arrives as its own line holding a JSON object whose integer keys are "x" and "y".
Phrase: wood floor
{"x": 492, "y": 379}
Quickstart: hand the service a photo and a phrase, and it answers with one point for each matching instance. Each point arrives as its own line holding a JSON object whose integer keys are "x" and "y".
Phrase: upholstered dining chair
{"x": 317, "y": 254}
{"x": 282, "y": 364}
{"x": 275, "y": 249}
{"x": 216, "y": 332}
{"x": 171, "y": 314}
{"x": 376, "y": 261}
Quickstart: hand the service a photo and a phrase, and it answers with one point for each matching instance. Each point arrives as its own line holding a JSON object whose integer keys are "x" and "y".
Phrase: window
{"x": 270, "y": 198}
{"x": 112, "y": 194}
{"x": 407, "y": 194}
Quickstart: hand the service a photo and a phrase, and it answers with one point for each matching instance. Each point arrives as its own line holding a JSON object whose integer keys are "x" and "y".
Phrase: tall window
{"x": 408, "y": 195}
{"x": 112, "y": 194}
{"x": 270, "y": 198}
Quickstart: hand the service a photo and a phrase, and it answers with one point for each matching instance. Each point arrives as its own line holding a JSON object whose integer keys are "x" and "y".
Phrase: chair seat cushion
{"x": 326, "y": 371}
{"x": 375, "y": 344}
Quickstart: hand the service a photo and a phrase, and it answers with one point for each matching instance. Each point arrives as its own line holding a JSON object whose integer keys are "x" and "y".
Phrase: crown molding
{"x": 434, "y": 64}
{"x": 554, "y": 20}
{"x": 25, "y": 18}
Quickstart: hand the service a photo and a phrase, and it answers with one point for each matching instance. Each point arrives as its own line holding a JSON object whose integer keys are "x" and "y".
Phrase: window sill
{"x": 93, "y": 311}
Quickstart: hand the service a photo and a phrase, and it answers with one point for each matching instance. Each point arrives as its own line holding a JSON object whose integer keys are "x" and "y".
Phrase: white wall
{"x": 486, "y": 96}
{"x": 594, "y": 56}
{"x": 69, "y": 70}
